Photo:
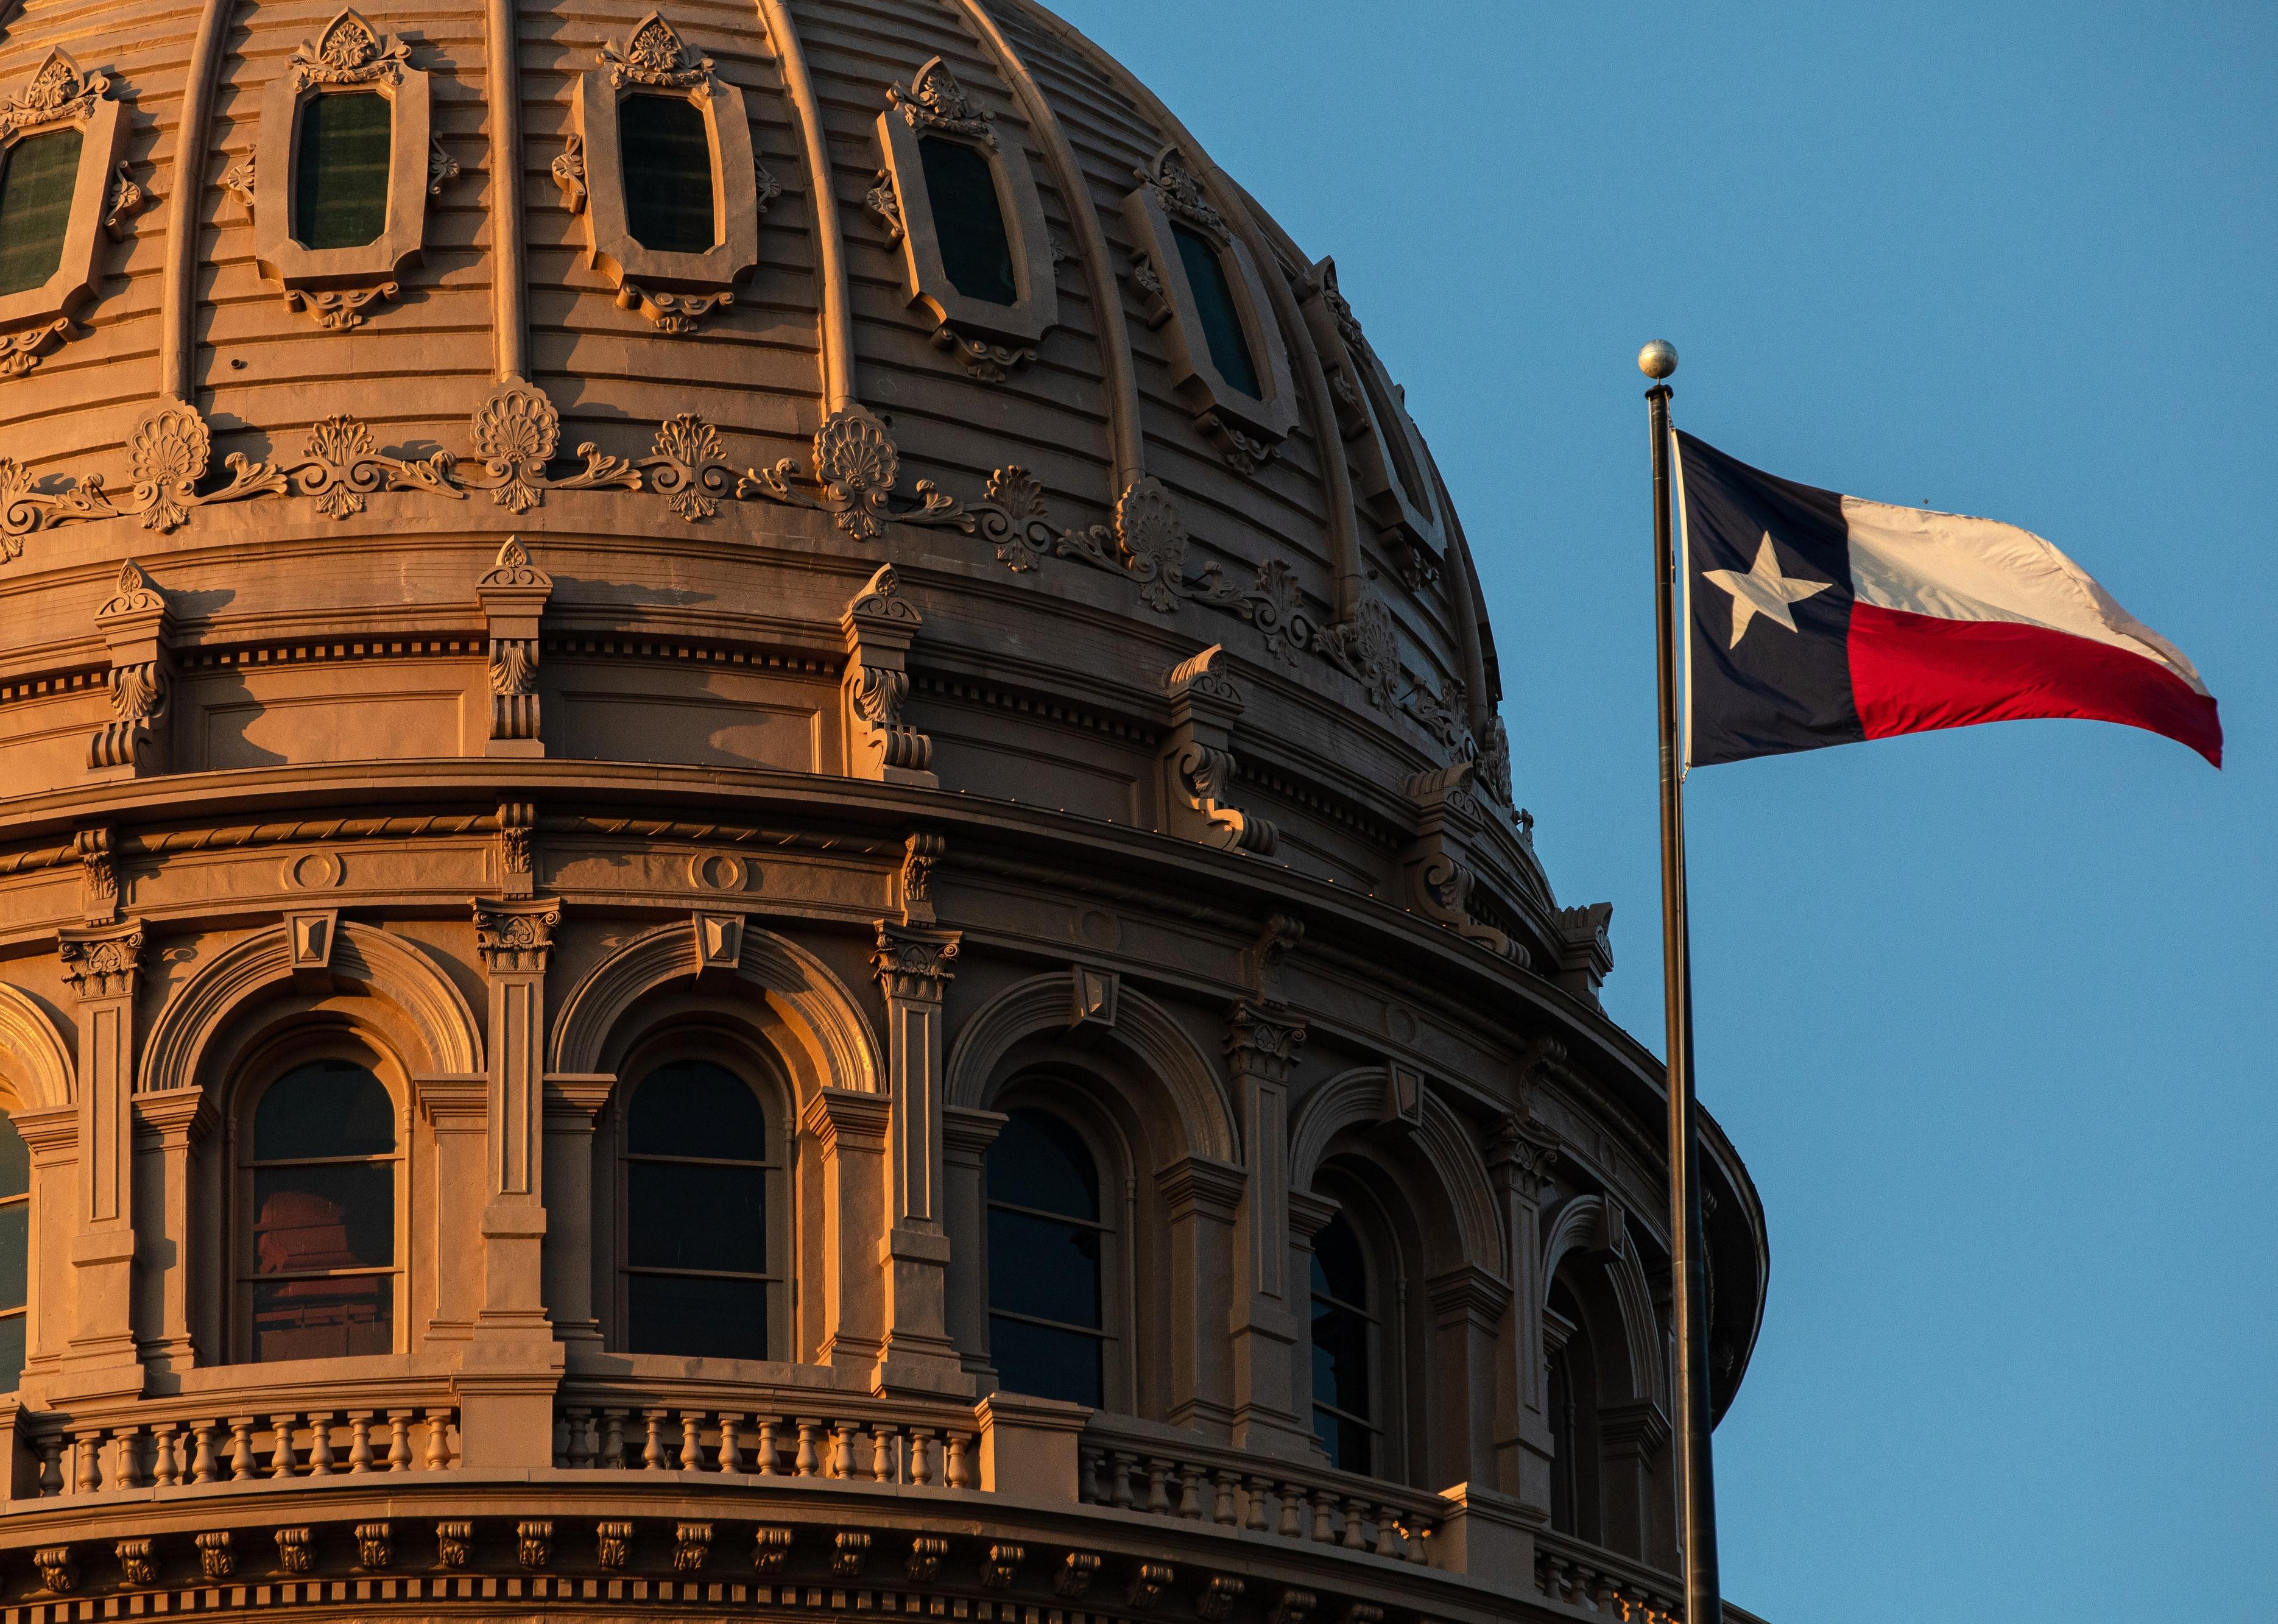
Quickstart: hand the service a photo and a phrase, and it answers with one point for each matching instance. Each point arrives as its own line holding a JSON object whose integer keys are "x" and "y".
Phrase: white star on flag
{"x": 1764, "y": 591}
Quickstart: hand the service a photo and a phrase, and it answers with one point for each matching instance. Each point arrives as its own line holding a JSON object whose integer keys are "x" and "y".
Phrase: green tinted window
{"x": 667, "y": 154}
{"x": 1229, "y": 347}
{"x": 15, "y": 1250}
{"x": 969, "y": 221}
{"x": 339, "y": 173}
{"x": 37, "y": 176}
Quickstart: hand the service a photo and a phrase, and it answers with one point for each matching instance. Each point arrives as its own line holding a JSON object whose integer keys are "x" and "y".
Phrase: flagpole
{"x": 1696, "y": 1474}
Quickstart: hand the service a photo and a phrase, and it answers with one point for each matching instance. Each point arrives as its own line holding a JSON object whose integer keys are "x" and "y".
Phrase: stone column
{"x": 1262, "y": 1046}
{"x": 913, "y": 969}
{"x": 102, "y": 965}
{"x": 966, "y": 1137}
{"x": 1201, "y": 1206}
{"x": 850, "y": 1127}
{"x": 168, "y": 1126}
{"x": 1520, "y": 1159}
{"x": 1468, "y": 1304}
{"x": 513, "y": 1364}
{"x": 572, "y": 1103}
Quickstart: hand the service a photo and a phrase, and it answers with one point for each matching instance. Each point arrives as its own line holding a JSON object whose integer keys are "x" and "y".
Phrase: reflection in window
{"x": 15, "y": 1251}
{"x": 37, "y": 177}
{"x": 968, "y": 220}
{"x": 339, "y": 170}
{"x": 1047, "y": 1334}
{"x": 697, "y": 1275}
{"x": 1344, "y": 1349}
{"x": 1229, "y": 346}
{"x": 666, "y": 151}
{"x": 323, "y": 1176}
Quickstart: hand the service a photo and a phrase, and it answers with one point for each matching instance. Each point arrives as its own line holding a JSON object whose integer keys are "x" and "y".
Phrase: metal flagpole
{"x": 1697, "y": 1478}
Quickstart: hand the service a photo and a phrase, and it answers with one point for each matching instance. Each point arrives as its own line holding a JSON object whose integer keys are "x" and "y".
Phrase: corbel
{"x": 1197, "y": 760}
{"x": 138, "y": 626}
{"x": 920, "y": 853}
{"x": 98, "y": 868}
{"x": 1438, "y": 881}
{"x": 1586, "y": 949}
{"x": 514, "y": 592}
{"x": 1263, "y": 959}
{"x": 518, "y": 828}
{"x": 879, "y": 625}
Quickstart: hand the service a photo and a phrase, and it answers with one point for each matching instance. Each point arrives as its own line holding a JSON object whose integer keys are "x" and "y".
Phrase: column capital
{"x": 849, "y": 1113}
{"x": 912, "y": 963}
{"x": 515, "y": 936}
{"x": 577, "y": 1097}
{"x": 1260, "y": 1043}
{"x": 1197, "y": 1183}
{"x": 1522, "y": 1155}
{"x": 970, "y": 1133}
{"x": 101, "y": 962}
{"x": 175, "y": 1116}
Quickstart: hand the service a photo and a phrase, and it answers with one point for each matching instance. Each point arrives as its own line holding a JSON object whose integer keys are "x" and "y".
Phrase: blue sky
{"x": 1990, "y": 1013}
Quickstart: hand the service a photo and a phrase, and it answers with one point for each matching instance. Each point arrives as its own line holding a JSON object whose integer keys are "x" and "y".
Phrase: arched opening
{"x": 1050, "y": 1244}
{"x": 1221, "y": 317}
{"x": 666, "y": 150}
{"x": 341, "y": 157}
{"x": 705, "y": 1254}
{"x": 968, "y": 220}
{"x": 38, "y": 175}
{"x": 1577, "y": 1443}
{"x": 319, "y": 1252}
{"x": 1348, "y": 1349}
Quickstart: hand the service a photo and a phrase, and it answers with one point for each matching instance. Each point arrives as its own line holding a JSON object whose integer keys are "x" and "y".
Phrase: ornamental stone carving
{"x": 59, "y": 96}
{"x": 1198, "y": 759}
{"x": 514, "y": 594}
{"x": 879, "y": 626}
{"x": 137, "y": 626}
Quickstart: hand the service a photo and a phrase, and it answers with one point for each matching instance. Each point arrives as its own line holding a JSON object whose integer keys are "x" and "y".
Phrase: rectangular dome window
{"x": 666, "y": 153}
{"x": 968, "y": 217}
{"x": 1229, "y": 346}
{"x": 340, "y": 170}
{"x": 37, "y": 177}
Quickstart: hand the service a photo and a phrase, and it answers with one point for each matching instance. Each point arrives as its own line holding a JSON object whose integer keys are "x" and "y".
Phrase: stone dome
{"x": 816, "y": 565}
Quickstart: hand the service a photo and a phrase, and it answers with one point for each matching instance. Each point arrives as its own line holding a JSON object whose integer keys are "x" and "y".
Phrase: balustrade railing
{"x": 1584, "y": 1576}
{"x": 1147, "y": 1471}
{"x": 215, "y": 1446}
{"x": 870, "y": 1445}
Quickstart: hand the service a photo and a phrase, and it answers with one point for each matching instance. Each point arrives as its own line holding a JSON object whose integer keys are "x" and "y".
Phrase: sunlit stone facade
{"x": 755, "y": 856}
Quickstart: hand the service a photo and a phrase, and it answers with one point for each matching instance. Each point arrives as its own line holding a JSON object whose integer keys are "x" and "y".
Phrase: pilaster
{"x": 912, "y": 964}
{"x": 572, "y": 1103}
{"x": 102, "y": 965}
{"x": 966, "y": 1137}
{"x": 515, "y": 939}
{"x": 169, "y": 1125}
{"x": 1202, "y": 1208}
{"x": 1520, "y": 1159}
{"x": 850, "y": 1127}
{"x": 1261, "y": 1045}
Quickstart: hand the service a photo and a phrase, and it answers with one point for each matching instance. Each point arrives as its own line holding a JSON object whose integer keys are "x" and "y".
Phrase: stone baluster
{"x": 771, "y": 1457}
{"x": 1388, "y": 1533}
{"x": 1256, "y": 1521}
{"x": 691, "y": 1440}
{"x": 1325, "y": 1504}
{"x": 578, "y": 1454}
{"x": 882, "y": 1452}
{"x": 731, "y": 1444}
{"x": 1190, "y": 1493}
{"x": 86, "y": 1477}
{"x": 1158, "y": 1486}
{"x": 613, "y": 1440}
{"x": 320, "y": 1443}
{"x": 165, "y": 1464}
{"x": 1419, "y": 1541}
{"x": 960, "y": 1461}
{"x": 439, "y": 1440}
{"x": 653, "y": 1441}
{"x": 359, "y": 1441}
{"x": 126, "y": 1457}
{"x": 1356, "y": 1537}
{"x": 1122, "y": 1463}
{"x": 810, "y": 1463}
{"x": 282, "y": 1462}
{"x": 1224, "y": 1481}
{"x": 203, "y": 1466}
{"x": 1093, "y": 1465}
{"x": 1292, "y": 1496}
{"x": 399, "y": 1440}
{"x": 51, "y": 1471}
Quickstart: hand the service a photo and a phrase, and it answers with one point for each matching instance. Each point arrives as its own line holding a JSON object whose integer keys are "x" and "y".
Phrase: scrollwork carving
{"x": 657, "y": 55}
{"x": 1181, "y": 195}
{"x": 350, "y": 51}
{"x": 59, "y": 90}
{"x": 934, "y": 100}
{"x": 1366, "y": 648}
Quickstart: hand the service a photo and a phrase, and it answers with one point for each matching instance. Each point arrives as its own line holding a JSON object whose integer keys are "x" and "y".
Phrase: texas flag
{"x": 1821, "y": 619}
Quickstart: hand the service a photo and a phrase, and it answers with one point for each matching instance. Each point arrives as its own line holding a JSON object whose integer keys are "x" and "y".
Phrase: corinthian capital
{"x": 912, "y": 963}
{"x": 515, "y": 936}
{"x": 101, "y": 962}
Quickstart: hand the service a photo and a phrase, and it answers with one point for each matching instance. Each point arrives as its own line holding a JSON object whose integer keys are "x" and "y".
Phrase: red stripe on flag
{"x": 1911, "y": 673}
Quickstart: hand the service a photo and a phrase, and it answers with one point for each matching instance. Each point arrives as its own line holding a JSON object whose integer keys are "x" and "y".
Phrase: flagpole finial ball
{"x": 1658, "y": 359}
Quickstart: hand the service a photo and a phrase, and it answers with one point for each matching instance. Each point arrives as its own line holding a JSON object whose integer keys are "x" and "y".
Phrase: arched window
{"x": 341, "y": 159}
{"x": 1221, "y": 317}
{"x": 705, "y": 1266}
{"x": 38, "y": 175}
{"x": 319, "y": 1260}
{"x": 1347, "y": 1350}
{"x": 968, "y": 219}
{"x": 667, "y": 152}
{"x": 1048, "y": 1240}
{"x": 15, "y": 1251}
{"x": 1573, "y": 1400}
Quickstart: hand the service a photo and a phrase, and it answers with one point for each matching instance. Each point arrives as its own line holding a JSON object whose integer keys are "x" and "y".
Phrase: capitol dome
{"x": 755, "y": 852}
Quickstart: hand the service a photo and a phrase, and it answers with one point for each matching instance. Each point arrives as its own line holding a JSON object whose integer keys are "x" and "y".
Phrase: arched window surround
{"x": 1349, "y": 1191}
{"x": 58, "y": 97}
{"x": 339, "y": 286}
{"x": 991, "y": 339}
{"x": 262, "y": 1066}
{"x": 680, "y": 1034}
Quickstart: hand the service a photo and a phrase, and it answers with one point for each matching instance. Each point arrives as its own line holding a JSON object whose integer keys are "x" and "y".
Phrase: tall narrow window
{"x": 321, "y": 1253}
{"x": 37, "y": 177}
{"x": 1229, "y": 346}
{"x": 15, "y": 1251}
{"x": 698, "y": 1268}
{"x": 1047, "y": 1332}
{"x": 1573, "y": 1398}
{"x": 968, "y": 217}
{"x": 1345, "y": 1350}
{"x": 340, "y": 170}
{"x": 667, "y": 154}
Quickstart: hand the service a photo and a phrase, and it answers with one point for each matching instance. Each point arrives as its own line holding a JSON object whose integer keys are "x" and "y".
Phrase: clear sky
{"x": 1990, "y": 1013}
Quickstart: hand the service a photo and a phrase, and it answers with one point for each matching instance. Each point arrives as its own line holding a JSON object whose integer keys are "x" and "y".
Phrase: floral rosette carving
{"x": 657, "y": 55}
{"x": 688, "y": 466}
{"x": 350, "y": 52}
{"x": 169, "y": 451}
{"x": 1153, "y": 539}
{"x": 856, "y": 464}
{"x": 1275, "y": 605}
{"x": 515, "y": 433}
{"x": 1366, "y": 649}
{"x": 1011, "y": 517}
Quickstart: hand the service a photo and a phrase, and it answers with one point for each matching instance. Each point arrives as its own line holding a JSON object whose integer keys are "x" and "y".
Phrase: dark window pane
{"x": 1039, "y": 1267}
{"x": 40, "y": 175}
{"x": 323, "y": 1217}
{"x": 692, "y": 1216}
{"x": 695, "y": 1108}
{"x": 1340, "y": 1360}
{"x": 1339, "y": 1269}
{"x": 15, "y": 1160}
{"x": 1229, "y": 346}
{"x": 1391, "y": 418}
{"x": 325, "y": 1108}
{"x": 1351, "y": 1446}
{"x": 15, "y": 1241}
{"x": 1038, "y": 1161}
{"x": 339, "y": 170}
{"x": 719, "y": 1319}
{"x": 12, "y": 1351}
{"x": 968, "y": 217}
{"x": 324, "y": 1319}
{"x": 1048, "y": 1363}
{"x": 667, "y": 163}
